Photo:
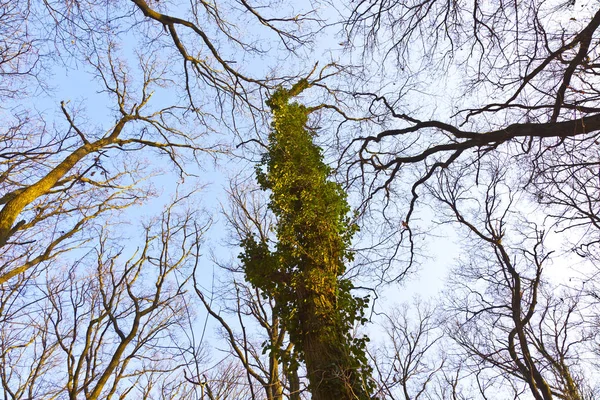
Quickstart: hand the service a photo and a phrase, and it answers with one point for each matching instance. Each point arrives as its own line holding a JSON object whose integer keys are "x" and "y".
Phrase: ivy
{"x": 303, "y": 272}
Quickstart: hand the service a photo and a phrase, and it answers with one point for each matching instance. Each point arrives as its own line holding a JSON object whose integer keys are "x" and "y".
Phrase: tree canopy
{"x": 469, "y": 128}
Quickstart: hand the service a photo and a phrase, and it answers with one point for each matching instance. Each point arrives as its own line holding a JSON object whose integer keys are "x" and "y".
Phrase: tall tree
{"x": 304, "y": 272}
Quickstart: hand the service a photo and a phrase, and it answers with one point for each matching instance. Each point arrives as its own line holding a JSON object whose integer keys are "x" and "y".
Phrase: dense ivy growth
{"x": 303, "y": 271}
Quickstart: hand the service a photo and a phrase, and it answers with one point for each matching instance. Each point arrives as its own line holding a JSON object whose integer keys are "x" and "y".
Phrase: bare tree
{"x": 60, "y": 182}
{"x": 408, "y": 360}
{"x": 516, "y": 78}
{"x": 109, "y": 330}
{"x": 257, "y": 340}
{"x": 254, "y": 333}
{"x": 508, "y": 320}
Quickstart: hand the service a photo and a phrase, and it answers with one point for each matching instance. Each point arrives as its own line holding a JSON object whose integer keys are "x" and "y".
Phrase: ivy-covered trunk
{"x": 302, "y": 271}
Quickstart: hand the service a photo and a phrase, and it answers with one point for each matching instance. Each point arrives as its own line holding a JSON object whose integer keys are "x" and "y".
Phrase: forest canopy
{"x": 237, "y": 199}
